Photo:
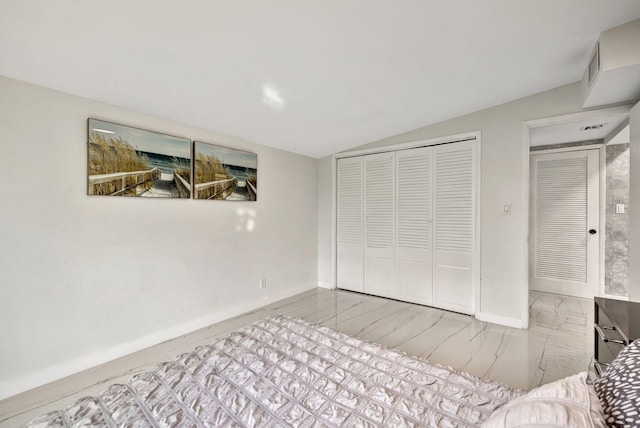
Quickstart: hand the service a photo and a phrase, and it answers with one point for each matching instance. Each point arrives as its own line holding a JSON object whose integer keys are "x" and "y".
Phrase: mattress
{"x": 284, "y": 371}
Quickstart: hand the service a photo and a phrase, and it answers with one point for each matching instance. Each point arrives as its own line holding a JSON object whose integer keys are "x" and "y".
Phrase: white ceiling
{"x": 313, "y": 76}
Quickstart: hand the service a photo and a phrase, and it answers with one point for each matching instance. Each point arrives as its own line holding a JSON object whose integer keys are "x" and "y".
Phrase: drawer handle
{"x": 605, "y": 338}
{"x": 600, "y": 367}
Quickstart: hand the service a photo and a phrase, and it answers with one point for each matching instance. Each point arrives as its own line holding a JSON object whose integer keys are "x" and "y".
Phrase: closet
{"x": 406, "y": 224}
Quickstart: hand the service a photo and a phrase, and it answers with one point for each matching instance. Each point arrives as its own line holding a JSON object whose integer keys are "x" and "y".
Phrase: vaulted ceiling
{"x": 309, "y": 76}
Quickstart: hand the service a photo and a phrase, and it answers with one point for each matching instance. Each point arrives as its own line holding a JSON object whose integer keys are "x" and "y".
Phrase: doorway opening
{"x": 566, "y": 245}
{"x": 564, "y": 221}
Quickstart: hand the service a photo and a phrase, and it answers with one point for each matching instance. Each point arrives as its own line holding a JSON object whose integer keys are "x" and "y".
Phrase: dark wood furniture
{"x": 616, "y": 324}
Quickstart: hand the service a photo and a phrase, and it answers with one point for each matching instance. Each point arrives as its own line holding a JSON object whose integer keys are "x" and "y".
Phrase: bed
{"x": 283, "y": 371}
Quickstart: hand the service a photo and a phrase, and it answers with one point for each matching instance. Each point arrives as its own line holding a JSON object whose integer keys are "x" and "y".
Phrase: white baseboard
{"x": 497, "y": 319}
{"x": 50, "y": 374}
{"x": 326, "y": 285}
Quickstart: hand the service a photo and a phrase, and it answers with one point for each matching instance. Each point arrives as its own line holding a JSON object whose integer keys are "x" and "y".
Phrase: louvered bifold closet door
{"x": 379, "y": 224}
{"x": 350, "y": 225}
{"x": 455, "y": 226}
{"x": 565, "y": 201}
{"x": 414, "y": 225}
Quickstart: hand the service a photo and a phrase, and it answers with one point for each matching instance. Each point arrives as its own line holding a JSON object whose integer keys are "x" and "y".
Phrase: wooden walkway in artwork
{"x": 119, "y": 183}
{"x": 168, "y": 185}
{"x": 219, "y": 189}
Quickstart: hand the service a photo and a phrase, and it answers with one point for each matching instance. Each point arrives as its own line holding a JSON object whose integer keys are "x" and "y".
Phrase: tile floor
{"x": 558, "y": 343}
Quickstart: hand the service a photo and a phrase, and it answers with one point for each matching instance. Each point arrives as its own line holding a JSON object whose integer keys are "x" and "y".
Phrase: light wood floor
{"x": 558, "y": 343}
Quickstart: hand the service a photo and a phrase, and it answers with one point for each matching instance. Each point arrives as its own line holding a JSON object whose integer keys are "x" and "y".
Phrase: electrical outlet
{"x": 263, "y": 282}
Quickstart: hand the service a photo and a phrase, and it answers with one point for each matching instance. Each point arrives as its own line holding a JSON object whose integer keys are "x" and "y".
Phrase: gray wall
{"x": 88, "y": 279}
{"x": 325, "y": 227}
{"x": 616, "y": 280}
{"x": 634, "y": 204}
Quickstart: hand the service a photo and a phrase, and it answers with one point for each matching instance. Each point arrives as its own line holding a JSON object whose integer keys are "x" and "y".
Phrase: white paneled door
{"x": 564, "y": 226}
{"x": 455, "y": 226}
{"x": 414, "y": 225}
{"x": 379, "y": 224}
{"x": 350, "y": 225}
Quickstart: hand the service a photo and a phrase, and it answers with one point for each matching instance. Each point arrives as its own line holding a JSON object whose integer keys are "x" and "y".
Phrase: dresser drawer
{"x": 616, "y": 324}
{"x": 609, "y": 334}
{"x": 606, "y": 351}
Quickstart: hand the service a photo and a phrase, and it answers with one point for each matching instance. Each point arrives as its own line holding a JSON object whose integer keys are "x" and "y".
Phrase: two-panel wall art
{"x": 127, "y": 161}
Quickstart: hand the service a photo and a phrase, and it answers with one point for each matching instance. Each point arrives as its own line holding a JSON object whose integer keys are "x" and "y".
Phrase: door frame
{"x": 527, "y": 126}
{"x": 477, "y": 135}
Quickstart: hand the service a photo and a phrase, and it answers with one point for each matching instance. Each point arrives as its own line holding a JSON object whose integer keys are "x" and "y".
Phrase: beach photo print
{"x": 224, "y": 174}
{"x": 127, "y": 161}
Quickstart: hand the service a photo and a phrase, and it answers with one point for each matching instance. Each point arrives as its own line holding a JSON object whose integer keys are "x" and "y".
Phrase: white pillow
{"x": 568, "y": 402}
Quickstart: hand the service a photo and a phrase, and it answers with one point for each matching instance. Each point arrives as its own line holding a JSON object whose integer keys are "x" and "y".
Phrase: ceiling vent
{"x": 593, "y": 127}
{"x": 613, "y": 73}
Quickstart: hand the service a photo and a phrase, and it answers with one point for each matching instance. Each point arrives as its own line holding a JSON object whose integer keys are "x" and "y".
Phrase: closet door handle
{"x": 593, "y": 231}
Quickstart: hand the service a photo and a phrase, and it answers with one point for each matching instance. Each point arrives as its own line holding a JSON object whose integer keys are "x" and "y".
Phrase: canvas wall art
{"x": 127, "y": 161}
{"x": 224, "y": 173}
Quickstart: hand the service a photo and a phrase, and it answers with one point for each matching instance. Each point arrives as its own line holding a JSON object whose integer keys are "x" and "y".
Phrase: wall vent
{"x": 594, "y": 64}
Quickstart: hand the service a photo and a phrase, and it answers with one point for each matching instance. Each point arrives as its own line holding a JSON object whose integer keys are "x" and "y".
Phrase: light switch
{"x": 619, "y": 208}
{"x": 506, "y": 209}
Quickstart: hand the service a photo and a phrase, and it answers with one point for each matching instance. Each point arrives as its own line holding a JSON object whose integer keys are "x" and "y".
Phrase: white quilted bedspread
{"x": 283, "y": 371}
